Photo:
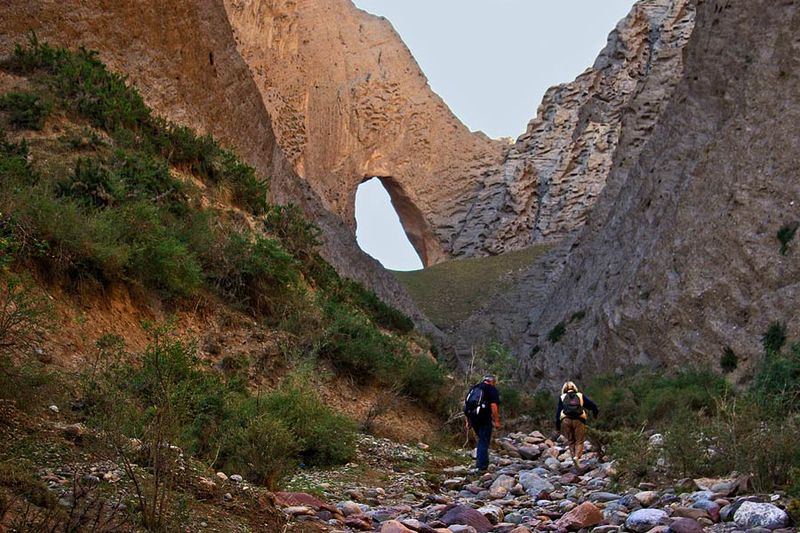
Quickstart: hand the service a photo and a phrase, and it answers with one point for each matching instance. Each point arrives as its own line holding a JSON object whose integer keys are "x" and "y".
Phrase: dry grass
{"x": 450, "y": 292}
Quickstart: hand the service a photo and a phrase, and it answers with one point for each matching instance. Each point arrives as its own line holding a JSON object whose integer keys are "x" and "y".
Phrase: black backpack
{"x": 473, "y": 400}
{"x": 572, "y": 406}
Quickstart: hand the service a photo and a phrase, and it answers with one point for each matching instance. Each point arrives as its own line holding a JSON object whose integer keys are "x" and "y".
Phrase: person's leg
{"x": 484, "y": 437}
{"x": 580, "y": 436}
{"x": 568, "y": 430}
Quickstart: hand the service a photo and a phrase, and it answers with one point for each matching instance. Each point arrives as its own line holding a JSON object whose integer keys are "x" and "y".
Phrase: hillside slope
{"x": 200, "y": 82}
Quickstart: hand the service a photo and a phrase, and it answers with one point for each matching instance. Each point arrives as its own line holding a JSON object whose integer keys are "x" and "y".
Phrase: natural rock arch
{"x": 416, "y": 227}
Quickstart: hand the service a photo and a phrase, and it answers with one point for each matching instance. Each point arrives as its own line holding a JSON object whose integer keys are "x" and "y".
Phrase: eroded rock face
{"x": 553, "y": 174}
{"x": 184, "y": 59}
{"x": 680, "y": 258}
{"x": 351, "y": 103}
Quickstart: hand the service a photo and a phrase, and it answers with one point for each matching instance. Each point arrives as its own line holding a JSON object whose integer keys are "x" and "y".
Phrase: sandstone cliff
{"x": 351, "y": 103}
{"x": 183, "y": 58}
{"x": 680, "y": 257}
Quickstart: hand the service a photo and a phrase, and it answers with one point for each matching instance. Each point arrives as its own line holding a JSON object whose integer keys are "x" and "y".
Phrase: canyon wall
{"x": 183, "y": 58}
{"x": 553, "y": 174}
{"x": 351, "y": 103}
{"x": 680, "y": 257}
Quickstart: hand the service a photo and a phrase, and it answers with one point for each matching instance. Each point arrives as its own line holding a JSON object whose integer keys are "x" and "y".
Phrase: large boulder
{"x": 766, "y": 515}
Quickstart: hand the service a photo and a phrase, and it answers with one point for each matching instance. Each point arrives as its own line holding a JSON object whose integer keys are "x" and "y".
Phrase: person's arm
{"x": 495, "y": 415}
{"x": 590, "y": 405}
{"x": 558, "y": 414}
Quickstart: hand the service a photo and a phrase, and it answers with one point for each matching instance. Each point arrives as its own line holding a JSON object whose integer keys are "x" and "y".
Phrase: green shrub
{"x": 635, "y": 457}
{"x": 84, "y": 84}
{"x": 357, "y": 348}
{"x": 249, "y": 191}
{"x": 646, "y": 398}
{"x": 299, "y": 236}
{"x": 164, "y": 262}
{"x": 383, "y": 314}
{"x": 256, "y": 272}
{"x": 24, "y": 312}
{"x": 325, "y": 438}
{"x": 147, "y": 177}
{"x": 92, "y": 183}
{"x": 14, "y": 165}
{"x": 786, "y": 234}
{"x": 27, "y": 110}
{"x": 774, "y": 338}
{"x": 266, "y": 451}
{"x": 424, "y": 379}
{"x": 728, "y": 362}
{"x": 776, "y": 385}
{"x": 555, "y": 334}
{"x": 687, "y": 442}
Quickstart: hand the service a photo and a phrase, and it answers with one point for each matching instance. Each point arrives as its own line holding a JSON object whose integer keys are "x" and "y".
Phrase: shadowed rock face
{"x": 680, "y": 258}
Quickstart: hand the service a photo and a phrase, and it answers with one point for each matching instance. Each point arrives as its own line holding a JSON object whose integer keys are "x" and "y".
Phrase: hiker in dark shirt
{"x": 571, "y": 418}
{"x": 486, "y": 418}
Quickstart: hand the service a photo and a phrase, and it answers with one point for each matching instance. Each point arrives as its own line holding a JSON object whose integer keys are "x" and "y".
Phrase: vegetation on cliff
{"x": 97, "y": 192}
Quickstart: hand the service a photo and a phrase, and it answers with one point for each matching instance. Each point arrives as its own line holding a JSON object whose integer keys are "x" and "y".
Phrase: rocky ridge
{"x": 532, "y": 485}
{"x": 552, "y": 175}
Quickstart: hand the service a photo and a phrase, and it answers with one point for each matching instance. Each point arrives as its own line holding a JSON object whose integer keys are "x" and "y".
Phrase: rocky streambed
{"x": 532, "y": 485}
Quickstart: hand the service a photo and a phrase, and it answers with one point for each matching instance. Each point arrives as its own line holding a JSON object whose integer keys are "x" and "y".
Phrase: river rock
{"x": 529, "y": 452}
{"x": 766, "y": 515}
{"x": 534, "y": 484}
{"x": 708, "y": 506}
{"x": 646, "y": 498}
{"x": 501, "y": 486}
{"x": 644, "y": 519}
{"x": 685, "y": 525}
{"x": 393, "y": 526}
{"x": 584, "y": 515}
{"x": 604, "y": 497}
{"x": 463, "y": 515}
{"x": 726, "y": 513}
{"x": 349, "y": 508}
{"x": 492, "y": 512}
{"x": 690, "y": 512}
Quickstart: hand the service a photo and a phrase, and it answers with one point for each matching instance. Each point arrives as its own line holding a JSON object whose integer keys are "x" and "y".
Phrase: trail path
{"x": 532, "y": 485}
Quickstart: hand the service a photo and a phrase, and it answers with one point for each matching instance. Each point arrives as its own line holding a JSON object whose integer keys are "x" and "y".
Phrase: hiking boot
{"x": 576, "y": 463}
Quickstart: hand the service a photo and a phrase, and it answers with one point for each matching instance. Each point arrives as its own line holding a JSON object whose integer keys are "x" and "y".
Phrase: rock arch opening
{"x": 389, "y": 227}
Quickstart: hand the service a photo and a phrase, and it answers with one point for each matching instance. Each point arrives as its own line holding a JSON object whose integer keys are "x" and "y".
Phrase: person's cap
{"x": 489, "y": 377}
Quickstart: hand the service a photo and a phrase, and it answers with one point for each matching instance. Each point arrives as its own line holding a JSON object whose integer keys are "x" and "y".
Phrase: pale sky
{"x": 491, "y": 61}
